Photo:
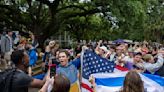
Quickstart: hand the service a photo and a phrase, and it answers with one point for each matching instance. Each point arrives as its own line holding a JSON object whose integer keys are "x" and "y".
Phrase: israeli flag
{"x": 112, "y": 82}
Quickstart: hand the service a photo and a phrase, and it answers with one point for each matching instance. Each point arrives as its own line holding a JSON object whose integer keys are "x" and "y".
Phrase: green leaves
{"x": 94, "y": 19}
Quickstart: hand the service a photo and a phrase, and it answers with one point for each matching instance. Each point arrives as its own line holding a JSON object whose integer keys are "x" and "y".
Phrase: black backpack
{"x": 6, "y": 78}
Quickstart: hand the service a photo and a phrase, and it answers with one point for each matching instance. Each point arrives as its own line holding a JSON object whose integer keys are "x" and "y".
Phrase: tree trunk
{"x": 41, "y": 40}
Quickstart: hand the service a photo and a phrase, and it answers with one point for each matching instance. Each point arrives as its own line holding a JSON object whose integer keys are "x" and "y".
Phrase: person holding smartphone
{"x": 59, "y": 83}
{"x": 55, "y": 82}
{"x": 52, "y": 68}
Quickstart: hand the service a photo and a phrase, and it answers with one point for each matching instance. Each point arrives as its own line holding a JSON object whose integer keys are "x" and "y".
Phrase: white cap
{"x": 104, "y": 48}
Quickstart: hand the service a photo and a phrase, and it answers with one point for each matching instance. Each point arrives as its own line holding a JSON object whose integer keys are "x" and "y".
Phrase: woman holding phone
{"x": 59, "y": 83}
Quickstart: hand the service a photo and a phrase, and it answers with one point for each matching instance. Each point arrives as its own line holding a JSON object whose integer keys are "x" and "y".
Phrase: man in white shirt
{"x": 150, "y": 65}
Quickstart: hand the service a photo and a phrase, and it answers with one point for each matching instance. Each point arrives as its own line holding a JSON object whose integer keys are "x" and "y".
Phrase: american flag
{"x": 93, "y": 63}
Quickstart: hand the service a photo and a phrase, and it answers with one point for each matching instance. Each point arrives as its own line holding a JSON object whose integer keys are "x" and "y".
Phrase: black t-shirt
{"x": 55, "y": 61}
{"x": 21, "y": 81}
{"x": 160, "y": 72}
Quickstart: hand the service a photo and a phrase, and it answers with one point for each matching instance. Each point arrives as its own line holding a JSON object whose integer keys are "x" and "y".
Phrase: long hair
{"x": 133, "y": 83}
{"x": 61, "y": 84}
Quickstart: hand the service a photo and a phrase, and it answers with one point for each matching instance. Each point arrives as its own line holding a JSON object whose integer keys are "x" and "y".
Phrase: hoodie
{"x": 70, "y": 71}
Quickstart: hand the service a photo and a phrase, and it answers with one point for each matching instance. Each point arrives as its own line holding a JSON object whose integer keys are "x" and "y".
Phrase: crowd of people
{"x": 20, "y": 53}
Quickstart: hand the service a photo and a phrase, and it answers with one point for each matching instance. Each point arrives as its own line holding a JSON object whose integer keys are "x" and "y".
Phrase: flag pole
{"x": 81, "y": 60}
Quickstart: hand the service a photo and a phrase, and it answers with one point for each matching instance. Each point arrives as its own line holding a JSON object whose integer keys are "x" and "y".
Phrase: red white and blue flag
{"x": 92, "y": 63}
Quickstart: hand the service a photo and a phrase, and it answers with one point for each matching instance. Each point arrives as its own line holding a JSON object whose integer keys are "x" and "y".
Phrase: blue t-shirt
{"x": 70, "y": 71}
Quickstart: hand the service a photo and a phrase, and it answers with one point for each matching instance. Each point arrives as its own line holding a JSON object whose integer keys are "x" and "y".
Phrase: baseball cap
{"x": 104, "y": 48}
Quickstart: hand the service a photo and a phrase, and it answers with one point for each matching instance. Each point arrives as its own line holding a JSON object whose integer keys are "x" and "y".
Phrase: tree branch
{"x": 6, "y": 7}
{"x": 30, "y": 14}
{"x": 71, "y": 6}
{"x": 89, "y": 12}
{"x": 56, "y": 4}
{"x": 52, "y": 6}
{"x": 39, "y": 10}
{"x": 13, "y": 1}
{"x": 29, "y": 2}
{"x": 45, "y": 2}
{"x": 15, "y": 13}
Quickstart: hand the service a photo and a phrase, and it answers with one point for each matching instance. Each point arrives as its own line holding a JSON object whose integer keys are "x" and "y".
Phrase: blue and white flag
{"x": 112, "y": 82}
{"x": 109, "y": 79}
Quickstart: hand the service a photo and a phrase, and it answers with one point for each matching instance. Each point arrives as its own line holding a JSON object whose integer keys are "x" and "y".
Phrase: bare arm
{"x": 44, "y": 88}
{"x": 98, "y": 47}
{"x": 49, "y": 82}
{"x": 154, "y": 67}
{"x": 36, "y": 83}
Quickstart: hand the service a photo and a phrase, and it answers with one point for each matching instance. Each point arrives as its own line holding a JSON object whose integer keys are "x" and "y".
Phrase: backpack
{"x": 6, "y": 78}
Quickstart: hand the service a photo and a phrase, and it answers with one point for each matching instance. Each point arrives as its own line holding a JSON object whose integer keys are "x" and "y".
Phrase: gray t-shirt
{"x": 21, "y": 81}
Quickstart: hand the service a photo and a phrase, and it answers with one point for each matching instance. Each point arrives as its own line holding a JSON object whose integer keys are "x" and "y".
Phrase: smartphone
{"x": 52, "y": 70}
